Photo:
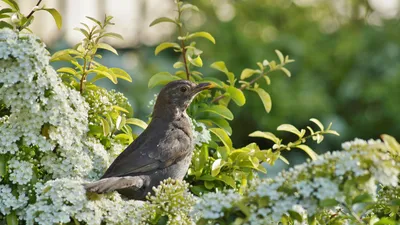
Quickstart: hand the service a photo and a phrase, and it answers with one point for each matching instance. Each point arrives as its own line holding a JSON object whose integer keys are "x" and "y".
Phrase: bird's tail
{"x": 106, "y": 185}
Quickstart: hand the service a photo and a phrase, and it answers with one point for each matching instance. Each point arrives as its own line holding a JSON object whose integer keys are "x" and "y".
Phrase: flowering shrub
{"x": 59, "y": 130}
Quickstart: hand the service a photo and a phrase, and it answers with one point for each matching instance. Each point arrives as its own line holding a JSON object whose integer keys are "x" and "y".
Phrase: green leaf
{"x": 5, "y": 24}
{"x": 120, "y": 73}
{"x": 286, "y": 71}
{"x": 319, "y": 124}
{"x": 196, "y": 61}
{"x": 266, "y": 135}
{"x": 207, "y": 177}
{"x": 219, "y": 110}
{"x": 386, "y": 221}
{"x": 162, "y": 20}
{"x": 178, "y": 65}
{"x": 112, "y": 34}
{"x": 284, "y": 159}
{"x": 94, "y": 20}
{"x": 295, "y": 215}
{"x": 56, "y": 16}
{"x": 107, "y": 47}
{"x": 221, "y": 123}
{"x": 83, "y": 31}
{"x": 227, "y": 180}
{"x": 161, "y": 79}
{"x": 329, "y": 202}
{"x": 308, "y": 150}
{"x": 166, "y": 45}
{"x": 67, "y": 70}
{"x": 125, "y": 138}
{"x": 246, "y": 73}
{"x": 216, "y": 167}
{"x": 290, "y": 128}
{"x": 106, "y": 126}
{"x": 280, "y": 55}
{"x": 223, "y": 136}
{"x": 137, "y": 122}
{"x": 120, "y": 109}
{"x": 5, "y": 10}
{"x": 236, "y": 95}
{"x": 110, "y": 76}
{"x": 3, "y": 163}
{"x": 209, "y": 185}
{"x": 189, "y": 6}
{"x": 265, "y": 98}
{"x": 12, "y": 4}
{"x": 202, "y": 34}
{"x": 214, "y": 81}
{"x": 362, "y": 198}
{"x": 12, "y": 218}
{"x": 220, "y": 65}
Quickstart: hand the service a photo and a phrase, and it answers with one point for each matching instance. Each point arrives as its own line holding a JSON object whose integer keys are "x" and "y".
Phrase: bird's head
{"x": 176, "y": 96}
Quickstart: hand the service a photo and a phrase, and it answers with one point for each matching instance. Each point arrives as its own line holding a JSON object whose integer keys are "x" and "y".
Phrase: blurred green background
{"x": 347, "y": 68}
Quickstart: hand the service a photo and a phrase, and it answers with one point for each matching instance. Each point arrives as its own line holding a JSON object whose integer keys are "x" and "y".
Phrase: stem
{"x": 33, "y": 11}
{"x": 182, "y": 43}
{"x": 353, "y": 214}
{"x": 83, "y": 79}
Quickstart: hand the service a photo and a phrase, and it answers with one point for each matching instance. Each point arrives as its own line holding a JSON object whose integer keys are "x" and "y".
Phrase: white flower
{"x": 20, "y": 171}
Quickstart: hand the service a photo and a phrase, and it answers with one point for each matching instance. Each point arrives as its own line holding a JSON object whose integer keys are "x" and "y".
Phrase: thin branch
{"x": 33, "y": 10}
{"x": 183, "y": 43}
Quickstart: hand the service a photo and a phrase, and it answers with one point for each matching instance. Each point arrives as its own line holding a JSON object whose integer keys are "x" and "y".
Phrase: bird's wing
{"x": 156, "y": 148}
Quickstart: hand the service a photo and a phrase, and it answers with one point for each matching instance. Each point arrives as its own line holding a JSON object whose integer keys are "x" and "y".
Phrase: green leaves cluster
{"x": 13, "y": 18}
{"x": 114, "y": 121}
{"x": 234, "y": 167}
{"x": 83, "y": 56}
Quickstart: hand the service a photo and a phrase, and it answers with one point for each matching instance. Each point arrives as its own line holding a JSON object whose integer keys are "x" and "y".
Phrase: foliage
{"x": 18, "y": 21}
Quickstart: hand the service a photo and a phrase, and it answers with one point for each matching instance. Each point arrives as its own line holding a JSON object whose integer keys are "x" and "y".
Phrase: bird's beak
{"x": 203, "y": 86}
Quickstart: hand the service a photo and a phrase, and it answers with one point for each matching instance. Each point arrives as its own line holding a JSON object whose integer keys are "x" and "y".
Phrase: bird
{"x": 163, "y": 150}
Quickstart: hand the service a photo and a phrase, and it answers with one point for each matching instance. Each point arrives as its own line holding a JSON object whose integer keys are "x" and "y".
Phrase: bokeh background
{"x": 347, "y": 53}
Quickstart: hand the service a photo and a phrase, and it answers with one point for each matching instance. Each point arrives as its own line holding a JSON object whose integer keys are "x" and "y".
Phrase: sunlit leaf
{"x": 120, "y": 73}
{"x": 216, "y": 167}
{"x": 161, "y": 79}
{"x": 94, "y": 20}
{"x": 112, "y": 34}
{"x": 56, "y": 16}
{"x": 220, "y": 66}
{"x": 66, "y": 70}
{"x": 202, "y": 34}
{"x": 236, "y": 95}
{"x": 189, "y": 6}
{"x": 266, "y": 135}
{"x": 280, "y": 55}
{"x": 107, "y": 74}
{"x": 107, "y": 47}
{"x": 246, "y": 73}
{"x": 164, "y": 46}
{"x": 219, "y": 110}
{"x": 265, "y": 98}
{"x": 319, "y": 124}
{"x": 196, "y": 61}
{"x": 290, "y": 128}
{"x": 284, "y": 159}
{"x": 227, "y": 180}
{"x": 286, "y": 71}
{"x": 308, "y": 150}
{"x": 12, "y": 218}
{"x": 118, "y": 108}
{"x": 223, "y": 136}
{"x": 106, "y": 126}
{"x": 162, "y": 20}
{"x": 12, "y": 4}
{"x": 137, "y": 122}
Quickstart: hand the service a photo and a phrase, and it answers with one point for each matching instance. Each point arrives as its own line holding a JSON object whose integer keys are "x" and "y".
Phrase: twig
{"x": 33, "y": 10}
{"x": 183, "y": 44}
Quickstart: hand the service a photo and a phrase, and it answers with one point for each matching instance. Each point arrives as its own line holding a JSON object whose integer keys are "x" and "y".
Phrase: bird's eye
{"x": 183, "y": 89}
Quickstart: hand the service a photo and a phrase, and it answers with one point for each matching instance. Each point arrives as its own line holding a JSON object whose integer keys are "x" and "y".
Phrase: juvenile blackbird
{"x": 164, "y": 149}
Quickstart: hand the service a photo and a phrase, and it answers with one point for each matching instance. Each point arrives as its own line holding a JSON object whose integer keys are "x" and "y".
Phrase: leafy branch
{"x": 17, "y": 21}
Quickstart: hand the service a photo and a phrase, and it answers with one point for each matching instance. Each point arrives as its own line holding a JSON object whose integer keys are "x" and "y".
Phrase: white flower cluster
{"x": 211, "y": 205}
{"x": 9, "y": 201}
{"x": 172, "y": 199}
{"x": 200, "y": 133}
{"x": 20, "y": 171}
{"x": 64, "y": 200}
